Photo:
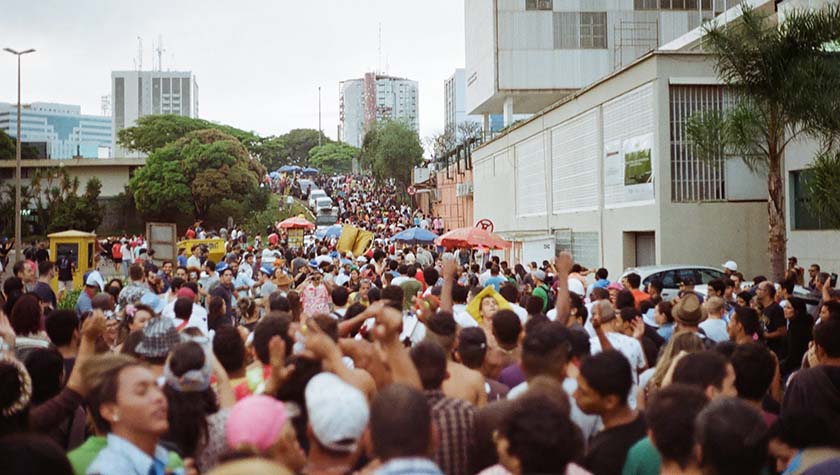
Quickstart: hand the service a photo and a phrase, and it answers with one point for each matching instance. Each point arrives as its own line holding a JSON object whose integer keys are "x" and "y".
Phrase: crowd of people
{"x": 410, "y": 360}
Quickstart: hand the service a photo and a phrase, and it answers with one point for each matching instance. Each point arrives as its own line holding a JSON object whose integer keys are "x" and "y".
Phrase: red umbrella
{"x": 471, "y": 237}
{"x": 296, "y": 222}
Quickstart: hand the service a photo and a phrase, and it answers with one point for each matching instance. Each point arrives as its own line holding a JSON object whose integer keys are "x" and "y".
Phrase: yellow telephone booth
{"x": 79, "y": 246}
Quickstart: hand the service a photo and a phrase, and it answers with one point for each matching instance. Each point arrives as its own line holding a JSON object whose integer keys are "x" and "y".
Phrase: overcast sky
{"x": 258, "y": 63}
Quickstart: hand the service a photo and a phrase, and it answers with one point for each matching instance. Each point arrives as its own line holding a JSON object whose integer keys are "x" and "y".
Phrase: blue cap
{"x": 267, "y": 270}
{"x": 220, "y": 267}
{"x": 153, "y": 301}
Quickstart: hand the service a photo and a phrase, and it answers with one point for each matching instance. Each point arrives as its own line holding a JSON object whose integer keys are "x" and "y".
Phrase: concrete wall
{"x": 522, "y": 178}
{"x": 809, "y": 246}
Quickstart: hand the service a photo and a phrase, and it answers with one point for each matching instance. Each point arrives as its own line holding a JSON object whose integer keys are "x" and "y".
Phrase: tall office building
{"x": 58, "y": 131}
{"x": 135, "y": 94}
{"x": 376, "y": 97}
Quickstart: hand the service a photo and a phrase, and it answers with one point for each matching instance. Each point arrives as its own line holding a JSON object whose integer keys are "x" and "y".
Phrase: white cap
{"x": 362, "y": 259}
{"x": 95, "y": 279}
{"x": 576, "y": 286}
{"x": 338, "y": 412}
{"x": 731, "y": 265}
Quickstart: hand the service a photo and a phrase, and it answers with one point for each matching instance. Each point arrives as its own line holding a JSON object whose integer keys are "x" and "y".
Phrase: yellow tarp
{"x": 353, "y": 240}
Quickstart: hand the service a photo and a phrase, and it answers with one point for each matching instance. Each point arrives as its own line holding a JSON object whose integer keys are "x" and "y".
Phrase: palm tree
{"x": 787, "y": 84}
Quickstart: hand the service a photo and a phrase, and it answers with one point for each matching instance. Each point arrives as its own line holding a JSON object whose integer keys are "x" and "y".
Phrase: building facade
{"x": 60, "y": 131}
{"x": 524, "y": 55}
{"x": 366, "y": 101}
{"x": 135, "y": 94}
{"x": 455, "y": 105}
{"x": 609, "y": 174}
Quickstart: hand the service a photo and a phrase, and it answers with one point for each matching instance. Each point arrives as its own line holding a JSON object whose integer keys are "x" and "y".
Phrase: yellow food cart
{"x": 216, "y": 247}
{"x": 79, "y": 246}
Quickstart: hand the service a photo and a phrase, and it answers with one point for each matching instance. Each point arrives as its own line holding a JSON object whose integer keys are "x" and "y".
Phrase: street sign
{"x": 411, "y": 190}
{"x": 485, "y": 224}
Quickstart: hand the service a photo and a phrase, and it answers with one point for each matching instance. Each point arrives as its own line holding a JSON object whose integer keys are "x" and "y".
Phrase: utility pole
{"x": 18, "y": 237}
{"x": 319, "y": 116}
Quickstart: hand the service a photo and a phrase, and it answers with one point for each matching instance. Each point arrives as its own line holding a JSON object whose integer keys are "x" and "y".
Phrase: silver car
{"x": 672, "y": 275}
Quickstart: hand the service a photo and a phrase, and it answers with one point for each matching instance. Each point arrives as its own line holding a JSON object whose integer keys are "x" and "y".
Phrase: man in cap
{"x": 85, "y": 300}
{"x": 264, "y": 424}
{"x": 730, "y": 267}
{"x": 338, "y": 415}
{"x": 159, "y": 337}
{"x": 540, "y": 289}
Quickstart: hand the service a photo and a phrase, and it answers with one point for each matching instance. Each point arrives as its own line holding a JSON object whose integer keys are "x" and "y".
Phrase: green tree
{"x": 7, "y": 148}
{"x": 333, "y": 157}
{"x": 824, "y": 199}
{"x": 392, "y": 152}
{"x": 80, "y": 212}
{"x": 298, "y": 144}
{"x": 272, "y": 152}
{"x": 155, "y": 131}
{"x": 787, "y": 87}
{"x": 199, "y": 176}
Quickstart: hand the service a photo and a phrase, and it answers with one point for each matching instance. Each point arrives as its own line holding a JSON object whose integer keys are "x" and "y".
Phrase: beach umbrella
{"x": 415, "y": 236}
{"x": 470, "y": 237}
{"x": 296, "y": 222}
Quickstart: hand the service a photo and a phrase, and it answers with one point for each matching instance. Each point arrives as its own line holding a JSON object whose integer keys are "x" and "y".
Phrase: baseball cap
{"x": 338, "y": 412}
{"x": 267, "y": 270}
{"x": 539, "y": 275}
{"x": 220, "y": 267}
{"x": 731, "y": 265}
{"x": 94, "y": 279}
{"x": 256, "y": 421}
{"x": 159, "y": 337}
{"x": 185, "y": 292}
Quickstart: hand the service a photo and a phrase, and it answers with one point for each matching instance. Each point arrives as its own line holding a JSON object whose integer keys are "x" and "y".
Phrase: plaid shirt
{"x": 454, "y": 420}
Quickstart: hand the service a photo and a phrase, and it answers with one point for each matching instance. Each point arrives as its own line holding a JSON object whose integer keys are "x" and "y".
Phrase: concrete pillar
{"x": 487, "y": 125}
{"x": 508, "y": 111}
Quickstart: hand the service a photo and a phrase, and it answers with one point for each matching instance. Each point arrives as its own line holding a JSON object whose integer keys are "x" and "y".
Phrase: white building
{"x": 609, "y": 173}
{"x": 376, "y": 97}
{"x": 135, "y": 94}
{"x": 455, "y": 105}
{"x": 524, "y": 55}
{"x": 60, "y": 131}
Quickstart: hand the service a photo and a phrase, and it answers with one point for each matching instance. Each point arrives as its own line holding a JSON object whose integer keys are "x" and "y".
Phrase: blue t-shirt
{"x": 495, "y": 281}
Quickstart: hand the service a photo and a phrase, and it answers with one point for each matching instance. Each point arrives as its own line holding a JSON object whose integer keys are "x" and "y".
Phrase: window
{"x": 707, "y": 275}
{"x": 693, "y": 179}
{"x": 593, "y": 30}
{"x": 538, "y": 4}
{"x": 580, "y": 30}
{"x": 802, "y": 218}
{"x": 679, "y": 4}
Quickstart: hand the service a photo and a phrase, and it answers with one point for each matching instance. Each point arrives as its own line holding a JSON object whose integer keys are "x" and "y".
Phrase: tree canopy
{"x": 333, "y": 157}
{"x": 787, "y": 86}
{"x": 7, "y": 148}
{"x": 155, "y": 131}
{"x": 207, "y": 174}
{"x": 391, "y": 151}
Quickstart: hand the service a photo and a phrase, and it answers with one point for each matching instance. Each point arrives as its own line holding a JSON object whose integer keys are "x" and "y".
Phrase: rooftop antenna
{"x": 379, "y": 63}
{"x": 139, "y": 53}
{"x": 160, "y": 50}
{"x": 106, "y": 105}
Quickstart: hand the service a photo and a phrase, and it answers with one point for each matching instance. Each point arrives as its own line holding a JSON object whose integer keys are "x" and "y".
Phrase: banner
{"x": 628, "y": 171}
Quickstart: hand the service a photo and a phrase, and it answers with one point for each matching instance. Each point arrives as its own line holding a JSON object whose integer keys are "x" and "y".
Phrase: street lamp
{"x": 18, "y": 239}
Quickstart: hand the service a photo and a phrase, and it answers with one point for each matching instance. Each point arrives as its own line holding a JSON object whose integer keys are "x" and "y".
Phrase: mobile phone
{"x": 833, "y": 280}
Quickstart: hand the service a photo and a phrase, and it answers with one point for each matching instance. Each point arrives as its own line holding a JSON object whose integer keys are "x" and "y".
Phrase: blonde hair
{"x": 682, "y": 341}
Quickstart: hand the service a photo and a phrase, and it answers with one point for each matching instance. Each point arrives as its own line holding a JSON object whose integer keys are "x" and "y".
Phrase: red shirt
{"x": 116, "y": 251}
{"x": 639, "y": 297}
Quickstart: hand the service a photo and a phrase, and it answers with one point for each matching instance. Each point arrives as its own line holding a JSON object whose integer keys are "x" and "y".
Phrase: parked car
{"x": 323, "y": 202}
{"x": 314, "y": 195}
{"x": 306, "y": 185}
{"x": 672, "y": 275}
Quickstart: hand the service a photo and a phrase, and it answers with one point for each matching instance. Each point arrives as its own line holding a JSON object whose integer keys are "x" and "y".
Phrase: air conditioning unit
{"x": 463, "y": 189}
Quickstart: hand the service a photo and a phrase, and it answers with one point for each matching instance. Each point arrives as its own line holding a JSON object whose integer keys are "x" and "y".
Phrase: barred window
{"x": 538, "y": 4}
{"x": 693, "y": 179}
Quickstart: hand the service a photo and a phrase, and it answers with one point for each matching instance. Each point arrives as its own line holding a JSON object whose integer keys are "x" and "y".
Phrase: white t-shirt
{"x": 521, "y": 312}
{"x": 631, "y": 349}
{"x": 462, "y": 318}
{"x": 268, "y": 257}
{"x": 715, "y": 329}
{"x": 198, "y": 317}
